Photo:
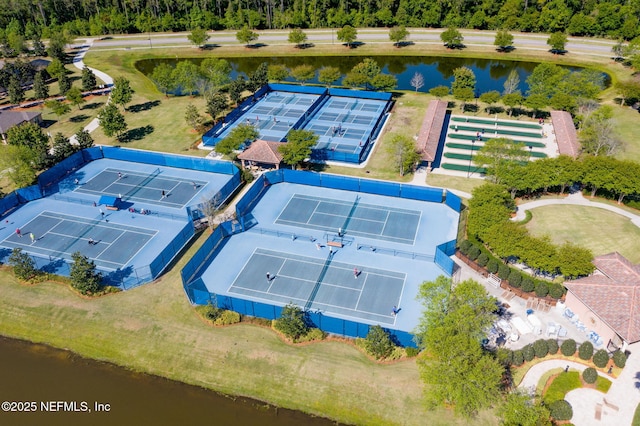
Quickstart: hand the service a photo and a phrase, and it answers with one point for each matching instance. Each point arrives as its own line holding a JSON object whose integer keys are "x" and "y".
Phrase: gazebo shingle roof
{"x": 429, "y": 135}
{"x": 261, "y": 151}
{"x": 613, "y": 294}
{"x": 566, "y": 134}
{"x": 8, "y": 119}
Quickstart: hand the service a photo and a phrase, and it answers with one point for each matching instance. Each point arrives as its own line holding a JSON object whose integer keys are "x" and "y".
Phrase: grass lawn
{"x": 562, "y": 384}
{"x": 627, "y": 128}
{"x": 636, "y": 417}
{"x": 154, "y": 329}
{"x": 584, "y": 226}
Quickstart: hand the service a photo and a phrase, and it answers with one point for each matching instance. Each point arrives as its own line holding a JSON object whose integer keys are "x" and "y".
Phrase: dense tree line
{"x": 23, "y": 20}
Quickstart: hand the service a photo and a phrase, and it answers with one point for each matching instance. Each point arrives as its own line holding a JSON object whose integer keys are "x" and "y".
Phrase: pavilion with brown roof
{"x": 261, "y": 152}
{"x": 608, "y": 301}
{"x": 429, "y": 136}
{"x": 566, "y": 135}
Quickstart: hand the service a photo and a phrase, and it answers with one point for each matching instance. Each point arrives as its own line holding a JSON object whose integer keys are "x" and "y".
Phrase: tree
{"x": 439, "y": 91}
{"x": 504, "y": 41}
{"x": 18, "y": 163}
{"x": 499, "y": 156}
{"x": 62, "y": 148}
{"x": 217, "y": 71}
{"x": 277, "y": 72}
{"x": 246, "y": 36}
{"x": 512, "y": 83}
{"x": 292, "y": 322}
{"x": 298, "y": 147}
{"x": 84, "y": 276}
{"x": 327, "y": 75}
{"x": 112, "y": 121}
{"x": 40, "y": 88}
{"x": 383, "y": 82}
{"x": 557, "y": 41}
{"x": 546, "y": 79}
{"x": 84, "y": 139}
{"x": 241, "y": 134}
{"x": 163, "y": 77}
{"x": 597, "y": 133}
{"x": 59, "y": 108}
{"x": 31, "y": 135}
{"x": 456, "y": 369}
{"x": 403, "y": 152}
{"x": 64, "y": 84}
{"x": 38, "y": 46}
{"x": 216, "y": 103}
{"x": 74, "y": 95}
{"x": 398, "y": 34}
{"x": 303, "y": 73}
{"x": 23, "y": 265}
{"x": 512, "y": 100}
{"x": 464, "y": 94}
{"x": 463, "y": 78}
{"x": 490, "y": 205}
{"x": 490, "y": 98}
{"x": 417, "y": 81}
{"x": 56, "y": 68}
{"x": 298, "y": 37}
{"x": 629, "y": 92}
{"x": 235, "y": 89}
{"x": 122, "y": 93}
{"x": 16, "y": 92}
{"x": 347, "y": 35}
{"x": 259, "y": 77}
{"x": 198, "y": 37}
{"x": 452, "y": 38}
{"x": 378, "y": 343}
{"x": 88, "y": 79}
{"x": 536, "y": 103}
{"x": 520, "y": 409}
{"x": 193, "y": 117}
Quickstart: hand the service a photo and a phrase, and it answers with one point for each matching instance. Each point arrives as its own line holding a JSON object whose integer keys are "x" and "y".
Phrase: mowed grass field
{"x": 599, "y": 230}
{"x": 154, "y": 329}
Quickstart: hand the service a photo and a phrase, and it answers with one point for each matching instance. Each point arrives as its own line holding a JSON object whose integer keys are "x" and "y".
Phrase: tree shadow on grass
{"x": 78, "y": 118}
{"x": 45, "y": 124}
{"x": 303, "y": 46}
{"x": 93, "y": 105}
{"x": 210, "y": 46}
{"x": 137, "y": 134}
{"x": 143, "y": 107}
{"x": 256, "y": 45}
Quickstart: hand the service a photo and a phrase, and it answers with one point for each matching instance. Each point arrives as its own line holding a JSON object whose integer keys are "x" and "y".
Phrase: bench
{"x": 112, "y": 208}
{"x": 610, "y": 405}
{"x": 494, "y": 280}
{"x": 334, "y": 244}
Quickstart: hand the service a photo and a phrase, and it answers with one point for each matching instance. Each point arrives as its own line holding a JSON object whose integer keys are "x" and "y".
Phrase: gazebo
{"x": 261, "y": 153}
{"x": 429, "y": 137}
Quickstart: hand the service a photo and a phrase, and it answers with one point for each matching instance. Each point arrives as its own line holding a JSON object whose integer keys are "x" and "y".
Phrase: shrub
{"x": 210, "y": 312}
{"x": 556, "y": 290}
{"x": 23, "y": 265}
{"x": 541, "y": 288}
{"x": 515, "y": 278}
{"x": 397, "y": 353}
{"x": 312, "y": 334}
{"x": 482, "y": 259}
{"x": 227, "y": 318}
{"x": 378, "y": 343}
{"x": 292, "y": 322}
{"x": 540, "y": 348}
{"x": 585, "y": 351}
{"x": 492, "y": 266}
{"x": 411, "y": 351}
{"x": 527, "y": 285}
{"x": 465, "y": 246}
{"x": 619, "y": 359}
{"x": 568, "y": 347}
{"x": 504, "y": 271}
{"x": 474, "y": 252}
{"x": 590, "y": 375}
{"x": 528, "y": 352}
{"x": 504, "y": 356}
{"x": 552, "y": 346}
{"x": 518, "y": 357}
{"x": 561, "y": 410}
{"x": 601, "y": 358}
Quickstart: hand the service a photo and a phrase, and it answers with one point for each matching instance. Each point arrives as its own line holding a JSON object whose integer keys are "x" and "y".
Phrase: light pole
{"x": 470, "y": 159}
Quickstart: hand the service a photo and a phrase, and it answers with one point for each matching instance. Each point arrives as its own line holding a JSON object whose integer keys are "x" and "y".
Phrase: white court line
{"x": 97, "y": 222}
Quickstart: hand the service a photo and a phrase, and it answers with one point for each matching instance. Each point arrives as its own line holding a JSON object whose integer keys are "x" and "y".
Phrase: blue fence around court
{"x": 312, "y": 90}
{"x": 381, "y": 96}
{"x": 252, "y": 196}
{"x": 171, "y": 250}
{"x": 443, "y": 253}
{"x": 51, "y": 176}
{"x": 453, "y": 201}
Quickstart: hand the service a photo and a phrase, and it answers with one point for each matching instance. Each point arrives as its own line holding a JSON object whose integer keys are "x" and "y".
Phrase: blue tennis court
{"x": 57, "y": 236}
{"x": 321, "y": 284}
{"x": 351, "y": 218}
{"x": 158, "y": 186}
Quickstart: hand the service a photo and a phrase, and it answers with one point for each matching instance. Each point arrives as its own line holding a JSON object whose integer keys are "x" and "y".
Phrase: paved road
{"x": 524, "y": 41}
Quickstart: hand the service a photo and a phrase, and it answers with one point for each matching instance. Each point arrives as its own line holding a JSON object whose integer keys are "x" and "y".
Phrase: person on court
{"x": 18, "y": 232}
{"x": 33, "y": 237}
{"x": 355, "y": 272}
{"x": 164, "y": 194}
{"x": 268, "y": 277}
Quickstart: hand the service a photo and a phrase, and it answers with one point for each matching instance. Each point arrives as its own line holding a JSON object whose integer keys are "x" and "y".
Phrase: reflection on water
{"x": 78, "y": 391}
{"x": 490, "y": 73}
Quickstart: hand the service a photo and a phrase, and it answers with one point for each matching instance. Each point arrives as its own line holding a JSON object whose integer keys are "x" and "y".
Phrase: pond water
{"x": 50, "y": 377}
{"x": 490, "y": 73}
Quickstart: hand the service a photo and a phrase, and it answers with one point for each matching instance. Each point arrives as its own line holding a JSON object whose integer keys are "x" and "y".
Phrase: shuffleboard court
{"x": 353, "y": 218}
{"x": 321, "y": 284}
{"x": 142, "y": 187}
{"x": 57, "y": 235}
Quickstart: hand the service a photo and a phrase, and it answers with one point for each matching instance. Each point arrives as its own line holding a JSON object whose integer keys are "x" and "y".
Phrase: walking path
{"x": 108, "y": 81}
{"x": 576, "y": 199}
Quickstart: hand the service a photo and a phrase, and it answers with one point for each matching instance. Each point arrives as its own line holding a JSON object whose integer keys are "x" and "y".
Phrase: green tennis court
{"x": 321, "y": 284}
{"x": 351, "y": 218}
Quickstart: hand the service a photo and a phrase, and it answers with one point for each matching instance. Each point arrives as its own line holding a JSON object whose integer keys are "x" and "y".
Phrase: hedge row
{"x": 515, "y": 277}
